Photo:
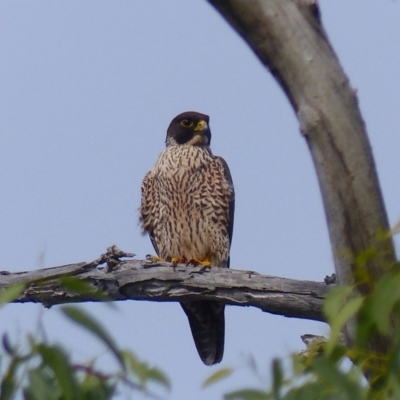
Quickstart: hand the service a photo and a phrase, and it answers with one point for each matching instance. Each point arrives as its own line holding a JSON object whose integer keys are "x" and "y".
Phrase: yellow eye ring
{"x": 186, "y": 123}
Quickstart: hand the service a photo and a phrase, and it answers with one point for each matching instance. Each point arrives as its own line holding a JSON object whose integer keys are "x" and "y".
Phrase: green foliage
{"x": 11, "y": 293}
{"x": 326, "y": 370}
{"x": 39, "y": 370}
{"x": 246, "y": 394}
{"x": 86, "y": 321}
{"x": 75, "y": 285}
{"x": 217, "y": 376}
{"x": 339, "y": 307}
{"x": 330, "y": 370}
{"x": 142, "y": 373}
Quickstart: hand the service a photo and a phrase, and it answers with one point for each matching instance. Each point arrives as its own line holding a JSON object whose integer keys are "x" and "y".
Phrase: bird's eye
{"x": 187, "y": 123}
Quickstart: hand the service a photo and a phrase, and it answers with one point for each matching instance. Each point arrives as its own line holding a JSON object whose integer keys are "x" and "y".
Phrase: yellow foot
{"x": 173, "y": 260}
{"x": 204, "y": 263}
{"x": 151, "y": 257}
{"x": 178, "y": 260}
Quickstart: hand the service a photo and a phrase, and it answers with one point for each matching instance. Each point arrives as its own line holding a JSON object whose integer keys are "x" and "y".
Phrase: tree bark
{"x": 288, "y": 38}
{"x": 144, "y": 280}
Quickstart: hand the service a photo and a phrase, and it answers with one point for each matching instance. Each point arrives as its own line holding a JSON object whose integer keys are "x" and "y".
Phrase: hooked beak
{"x": 201, "y": 126}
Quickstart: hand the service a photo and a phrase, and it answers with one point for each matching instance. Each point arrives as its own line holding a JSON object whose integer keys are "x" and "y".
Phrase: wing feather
{"x": 231, "y": 210}
{"x": 148, "y": 208}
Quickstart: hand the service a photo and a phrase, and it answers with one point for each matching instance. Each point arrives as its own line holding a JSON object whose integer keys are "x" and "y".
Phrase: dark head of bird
{"x": 190, "y": 128}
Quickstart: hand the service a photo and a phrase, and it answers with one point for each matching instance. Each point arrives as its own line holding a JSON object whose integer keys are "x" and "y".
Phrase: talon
{"x": 194, "y": 261}
{"x": 151, "y": 257}
{"x": 178, "y": 260}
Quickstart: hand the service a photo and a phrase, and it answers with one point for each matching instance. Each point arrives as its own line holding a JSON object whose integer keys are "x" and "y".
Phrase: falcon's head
{"x": 190, "y": 128}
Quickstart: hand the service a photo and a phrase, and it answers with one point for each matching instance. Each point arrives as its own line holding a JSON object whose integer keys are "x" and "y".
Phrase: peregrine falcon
{"x": 187, "y": 209}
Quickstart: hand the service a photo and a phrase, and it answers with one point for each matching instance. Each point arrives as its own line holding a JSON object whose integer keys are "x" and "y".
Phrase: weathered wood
{"x": 141, "y": 280}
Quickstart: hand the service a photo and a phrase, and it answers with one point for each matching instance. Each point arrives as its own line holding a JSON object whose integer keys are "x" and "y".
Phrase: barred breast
{"x": 185, "y": 205}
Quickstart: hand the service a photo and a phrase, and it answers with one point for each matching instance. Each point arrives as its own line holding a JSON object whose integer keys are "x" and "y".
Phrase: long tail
{"x": 207, "y": 322}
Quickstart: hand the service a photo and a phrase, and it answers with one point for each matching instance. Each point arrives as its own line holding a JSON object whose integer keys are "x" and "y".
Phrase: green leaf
{"x": 346, "y": 387}
{"x": 318, "y": 390}
{"x": 41, "y": 386}
{"x": 8, "y": 382}
{"x": 76, "y": 285}
{"x": 135, "y": 366}
{"x": 247, "y": 394}
{"x": 217, "y": 377}
{"x": 55, "y": 358}
{"x": 83, "y": 319}
{"x": 97, "y": 387}
{"x": 11, "y": 293}
{"x": 130, "y": 359}
{"x": 339, "y": 308}
{"x": 335, "y": 300}
{"x": 7, "y": 389}
{"x": 348, "y": 311}
{"x": 383, "y": 300}
{"x": 143, "y": 372}
{"x": 277, "y": 376}
{"x": 156, "y": 375}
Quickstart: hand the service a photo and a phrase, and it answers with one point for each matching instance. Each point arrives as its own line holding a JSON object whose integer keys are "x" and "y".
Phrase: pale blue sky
{"x": 87, "y": 90}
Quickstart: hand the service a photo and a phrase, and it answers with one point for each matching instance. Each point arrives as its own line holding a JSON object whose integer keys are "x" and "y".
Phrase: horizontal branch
{"x": 143, "y": 280}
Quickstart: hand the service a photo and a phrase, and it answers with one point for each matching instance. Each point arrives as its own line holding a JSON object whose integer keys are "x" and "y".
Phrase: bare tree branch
{"x": 144, "y": 280}
{"x": 288, "y": 38}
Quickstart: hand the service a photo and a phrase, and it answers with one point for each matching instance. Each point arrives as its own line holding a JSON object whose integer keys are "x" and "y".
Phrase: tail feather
{"x": 207, "y": 322}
